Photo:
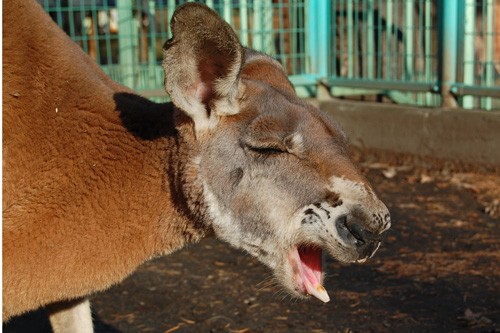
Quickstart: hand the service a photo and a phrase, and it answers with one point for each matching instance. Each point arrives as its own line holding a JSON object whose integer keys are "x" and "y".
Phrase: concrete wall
{"x": 465, "y": 135}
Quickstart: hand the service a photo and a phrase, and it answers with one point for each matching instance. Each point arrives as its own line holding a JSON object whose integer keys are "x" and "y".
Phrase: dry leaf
{"x": 424, "y": 179}
{"x": 389, "y": 173}
{"x": 175, "y": 328}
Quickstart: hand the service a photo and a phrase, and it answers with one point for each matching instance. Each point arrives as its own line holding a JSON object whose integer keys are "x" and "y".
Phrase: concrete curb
{"x": 471, "y": 136}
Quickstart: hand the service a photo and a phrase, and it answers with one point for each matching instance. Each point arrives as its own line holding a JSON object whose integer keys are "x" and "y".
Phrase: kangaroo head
{"x": 276, "y": 177}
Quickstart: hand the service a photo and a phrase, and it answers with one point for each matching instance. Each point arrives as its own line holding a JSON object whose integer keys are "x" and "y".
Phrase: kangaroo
{"x": 97, "y": 180}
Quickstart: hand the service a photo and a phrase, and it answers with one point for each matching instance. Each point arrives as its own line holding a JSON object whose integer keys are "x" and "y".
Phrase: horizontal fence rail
{"x": 416, "y": 52}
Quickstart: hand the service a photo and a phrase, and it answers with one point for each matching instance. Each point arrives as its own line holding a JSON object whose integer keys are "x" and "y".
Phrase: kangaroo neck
{"x": 168, "y": 190}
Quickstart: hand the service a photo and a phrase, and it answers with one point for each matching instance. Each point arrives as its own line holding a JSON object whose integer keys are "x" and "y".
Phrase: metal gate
{"x": 417, "y": 52}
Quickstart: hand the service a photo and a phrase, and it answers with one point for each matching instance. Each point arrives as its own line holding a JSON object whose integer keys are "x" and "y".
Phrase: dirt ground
{"x": 438, "y": 271}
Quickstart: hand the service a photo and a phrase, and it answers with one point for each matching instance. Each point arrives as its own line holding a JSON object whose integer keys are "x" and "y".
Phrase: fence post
{"x": 448, "y": 38}
{"x": 152, "y": 40}
{"x": 468, "y": 49}
{"x": 409, "y": 40}
{"x": 428, "y": 49}
{"x": 257, "y": 26}
{"x": 318, "y": 39}
{"x": 370, "y": 39}
{"x": 126, "y": 42}
{"x": 244, "y": 22}
{"x": 388, "y": 40}
{"x": 228, "y": 12}
{"x": 262, "y": 26}
{"x": 489, "y": 79}
{"x": 171, "y": 9}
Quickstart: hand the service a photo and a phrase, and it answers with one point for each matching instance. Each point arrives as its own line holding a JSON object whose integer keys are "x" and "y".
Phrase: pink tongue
{"x": 310, "y": 260}
{"x": 310, "y": 272}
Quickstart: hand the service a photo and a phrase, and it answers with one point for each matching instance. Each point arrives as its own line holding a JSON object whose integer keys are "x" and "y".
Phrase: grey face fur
{"x": 276, "y": 178}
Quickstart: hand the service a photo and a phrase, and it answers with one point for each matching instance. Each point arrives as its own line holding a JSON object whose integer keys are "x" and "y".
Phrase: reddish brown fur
{"x": 261, "y": 69}
{"x": 69, "y": 161}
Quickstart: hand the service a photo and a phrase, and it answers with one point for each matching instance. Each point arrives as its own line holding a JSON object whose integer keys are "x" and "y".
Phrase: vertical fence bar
{"x": 363, "y": 42}
{"x": 356, "y": 43}
{"x": 311, "y": 42}
{"x": 299, "y": 44}
{"x": 448, "y": 12}
{"x": 318, "y": 39}
{"x": 408, "y": 36}
{"x": 380, "y": 43}
{"x": 419, "y": 49}
{"x": 428, "y": 48}
{"x": 244, "y": 22}
{"x": 152, "y": 32}
{"x": 323, "y": 35}
{"x": 228, "y": 17}
{"x": 125, "y": 41}
{"x": 294, "y": 29}
{"x": 370, "y": 39}
{"x": 267, "y": 25}
{"x": 333, "y": 32}
{"x": 350, "y": 47}
{"x": 59, "y": 13}
{"x": 488, "y": 64}
{"x": 257, "y": 26}
{"x": 163, "y": 24}
{"x": 171, "y": 9}
{"x": 395, "y": 34}
{"x": 388, "y": 40}
{"x": 342, "y": 30}
{"x": 109, "y": 51}
{"x": 70, "y": 14}
{"x": 281, "y": 53}
{"x": 469, "y": 34}
{"x": 84, "y": 30}
{"x": 262, "y": 27}
{"x": 95, "y": 30}
{"x": 152, "y": 41}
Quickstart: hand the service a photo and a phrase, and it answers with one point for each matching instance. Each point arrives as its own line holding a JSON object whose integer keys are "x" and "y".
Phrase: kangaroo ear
{"x": 202, "y": 62}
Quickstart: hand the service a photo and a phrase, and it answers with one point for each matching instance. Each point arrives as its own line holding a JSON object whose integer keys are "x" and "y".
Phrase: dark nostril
{"x": 358, "y": 233}
{"x": 366, "y": 242}
{"x": 341, "y": 222}
{"x": 341, "y": 226}
{"x": 350, "y": 231}
{"x": 353, "y": 232}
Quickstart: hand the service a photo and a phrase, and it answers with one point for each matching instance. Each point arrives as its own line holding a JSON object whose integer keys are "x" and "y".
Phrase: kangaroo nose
{"x": 365, "y": 241}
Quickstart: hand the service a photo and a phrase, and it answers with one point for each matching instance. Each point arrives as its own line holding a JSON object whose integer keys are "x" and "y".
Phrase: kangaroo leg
{"x": 71, "y": 317}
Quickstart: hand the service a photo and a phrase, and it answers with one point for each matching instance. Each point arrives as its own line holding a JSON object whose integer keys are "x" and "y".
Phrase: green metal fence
{"x": 385, "y": 47}
{"x": 479, "y": 66}
{"x": 419, "y": 52}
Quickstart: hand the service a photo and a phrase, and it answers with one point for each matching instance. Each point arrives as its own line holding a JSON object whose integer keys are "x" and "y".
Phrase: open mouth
{"x": 307, "y": 271}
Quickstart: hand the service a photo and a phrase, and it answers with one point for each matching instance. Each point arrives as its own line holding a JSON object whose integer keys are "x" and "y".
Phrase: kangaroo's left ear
{"x": 202, "y": 63}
